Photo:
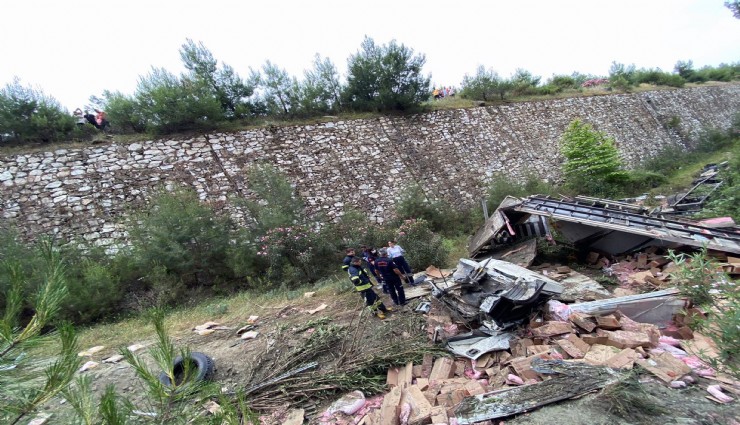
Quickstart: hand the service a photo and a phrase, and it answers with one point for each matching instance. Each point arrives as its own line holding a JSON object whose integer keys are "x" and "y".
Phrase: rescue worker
{"x": 392, "y": 276}
{"x": 350, "y": 253}
{"x": 364, "y": 286}
{"x": 370, "y": 255}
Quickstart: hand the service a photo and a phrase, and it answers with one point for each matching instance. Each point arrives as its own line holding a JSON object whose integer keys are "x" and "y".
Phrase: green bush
{"x": 592, "y": 164}
{"x": 441, "y": 216}
{"x": 700, "y": 278}
{"x": 95, "y": 288}
{"x": 183, "y": 235}
{"x": 726, "y": 200}
{"x": 297, "y": 255}
{"x": 28, "y": 115}
{"x": 502, "y": 186}
{"x": 423, "y": 247}
{"x": 638, "y": 181}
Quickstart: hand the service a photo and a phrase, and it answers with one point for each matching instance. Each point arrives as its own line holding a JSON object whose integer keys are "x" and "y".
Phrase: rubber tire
{"x": 205, "y": 367}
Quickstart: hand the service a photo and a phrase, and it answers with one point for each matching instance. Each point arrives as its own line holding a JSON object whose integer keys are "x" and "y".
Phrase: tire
{"x": 204, "y": 369}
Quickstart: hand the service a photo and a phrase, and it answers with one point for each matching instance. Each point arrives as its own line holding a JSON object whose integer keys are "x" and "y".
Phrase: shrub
{"x": 440, "y": 216}
{"x": 726, "y": 200}
{"x": 29, "y": 115}
{"x": 423, "y": 247}
{"x": 701, "y": 279}
{"x": 502, "y": 186}
{"x": 95, "y": 289}
{"x": 296, "y": 255}
{"x": 592, "y": 165}
{"x": 184, "y": 236}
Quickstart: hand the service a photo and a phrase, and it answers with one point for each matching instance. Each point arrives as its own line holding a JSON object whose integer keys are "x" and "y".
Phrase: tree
{"x": 124, "y": 112}
{"x": 523, "y": 82}
{"x": 280, "y": 91}
{"x": 181, "y": 238}
{"x": 385, "y": 78}
{"x": 170, "y": 105}
{"x": 734, "y": 6}
{"x": 225, "y": 84}
{"x": 482, "y": 86}
{"x": 592, "y": 161}
{"x": 321, "y": 89}
{"x": 29, "y": 115}
{"x": 21, "y": 394}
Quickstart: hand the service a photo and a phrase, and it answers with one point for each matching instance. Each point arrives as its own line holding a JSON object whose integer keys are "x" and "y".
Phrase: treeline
{"x": 379, "y": 78}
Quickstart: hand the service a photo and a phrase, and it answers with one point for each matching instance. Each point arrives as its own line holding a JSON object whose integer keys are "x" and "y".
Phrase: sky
{"x": 74, "y": 50}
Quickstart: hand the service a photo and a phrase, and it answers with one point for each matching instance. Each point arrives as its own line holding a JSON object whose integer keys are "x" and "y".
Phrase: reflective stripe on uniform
{"x": 360, "y": 288}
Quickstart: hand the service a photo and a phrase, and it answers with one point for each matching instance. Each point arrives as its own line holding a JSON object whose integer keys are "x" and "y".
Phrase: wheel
{"x": 203, "y": 365}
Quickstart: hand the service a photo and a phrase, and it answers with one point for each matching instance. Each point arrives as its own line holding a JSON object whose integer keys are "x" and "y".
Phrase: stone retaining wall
{"x": 363, "y": 164}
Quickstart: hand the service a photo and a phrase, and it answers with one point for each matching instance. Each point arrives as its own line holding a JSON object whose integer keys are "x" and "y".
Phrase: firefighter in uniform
{"x": 347, "y": 258}
{"x": 364, "y": 286}
{"x": 392, "y": 276}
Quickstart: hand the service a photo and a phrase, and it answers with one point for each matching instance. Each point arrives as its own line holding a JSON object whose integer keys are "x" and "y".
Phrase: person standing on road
{"x": 396, "y": 253}
{"x": 361, "y": 280}
{"x": 392, "y": 276}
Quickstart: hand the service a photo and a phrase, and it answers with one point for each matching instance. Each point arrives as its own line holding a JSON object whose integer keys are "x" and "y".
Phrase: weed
{"x": 701, "y": 279}
{"x": 628, "y": 399}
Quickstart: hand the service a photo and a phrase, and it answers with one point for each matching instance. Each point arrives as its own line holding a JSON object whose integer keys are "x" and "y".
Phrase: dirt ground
{"x": 234, "y": 359}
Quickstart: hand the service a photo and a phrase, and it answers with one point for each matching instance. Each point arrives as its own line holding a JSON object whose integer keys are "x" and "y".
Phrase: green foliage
{"x": 441, "y": 216}
{"x": 24, "y": 389}
{"x": 223, "y": 83}
{"x": 592, "y": 164}
{"x": 501, "y": 186}
{"x": 701, "y": 279}
{"x": 29, "y": 115}
{"x": 564, "y": 82}
{"x": 385, "y": 78}
{"x": 484, "y": 85}
{"x": 173, "y": 105}
{"x": 95, "y": 287}
{"x": 628, "y": 399}
{"x": 726, "y": 200}
{"x": 321, "y": 90}
{"x": 422, "y": 245}
{"x": 276, "y": 203}
{"x": 181, "y": 237}
{"x": 280, "y": 91}
{"x": 124, "y": 113}
{"x": 734, "y": 6}
{"x": 523, "y": 83}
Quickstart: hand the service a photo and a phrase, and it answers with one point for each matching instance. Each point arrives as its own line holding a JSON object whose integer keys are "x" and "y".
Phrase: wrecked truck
{"x": 494, "y": 290}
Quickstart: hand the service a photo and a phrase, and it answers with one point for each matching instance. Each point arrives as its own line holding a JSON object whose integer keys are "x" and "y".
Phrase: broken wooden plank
{"x": 439, "y": 415}
{"x": 625, "y": 359}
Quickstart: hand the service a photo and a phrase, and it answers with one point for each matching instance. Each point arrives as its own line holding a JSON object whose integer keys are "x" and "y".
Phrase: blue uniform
{"x": 364, "y": 286}
{"x": 386, "y": 267}
{"x": 346, "y": 261}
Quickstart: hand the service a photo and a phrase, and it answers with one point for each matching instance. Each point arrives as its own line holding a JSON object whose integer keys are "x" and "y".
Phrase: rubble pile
{"x": 560, "y": 351}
